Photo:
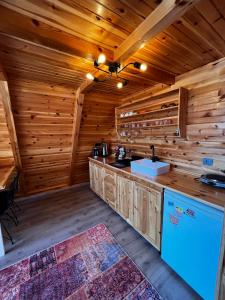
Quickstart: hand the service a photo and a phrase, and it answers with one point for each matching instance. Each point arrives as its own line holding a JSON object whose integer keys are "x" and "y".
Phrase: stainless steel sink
{"x": 118, "y": 165}
{"x": 123, "y": 163}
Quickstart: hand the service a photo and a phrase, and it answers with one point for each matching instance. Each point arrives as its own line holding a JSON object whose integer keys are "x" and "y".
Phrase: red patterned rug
{"x": 90, "y": 265}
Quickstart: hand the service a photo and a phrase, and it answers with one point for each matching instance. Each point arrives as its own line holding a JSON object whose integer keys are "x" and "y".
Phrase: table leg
{"x": 2, "y": 248}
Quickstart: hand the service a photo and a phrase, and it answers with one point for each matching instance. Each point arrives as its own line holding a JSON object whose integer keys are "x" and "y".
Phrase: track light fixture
{"x": 114, "y": 68}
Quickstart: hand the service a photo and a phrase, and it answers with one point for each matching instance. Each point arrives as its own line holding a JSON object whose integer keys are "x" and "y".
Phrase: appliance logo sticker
{"x": 179, "y": 210}
{"x": 174, "y": 220}
{"x": 190, "y": 213}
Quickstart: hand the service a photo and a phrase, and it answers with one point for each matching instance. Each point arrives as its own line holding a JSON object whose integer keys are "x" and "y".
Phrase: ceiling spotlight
{"x": 101, "y": 59}
{"x": 90, "y": 76}
{"x": 142, "y": 45}
{"x": 119, "y": 85}
{"x": 143, "y": 67}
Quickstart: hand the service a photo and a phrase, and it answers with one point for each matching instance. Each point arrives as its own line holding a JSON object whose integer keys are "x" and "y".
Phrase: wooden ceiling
{"x": 57, "y": 40}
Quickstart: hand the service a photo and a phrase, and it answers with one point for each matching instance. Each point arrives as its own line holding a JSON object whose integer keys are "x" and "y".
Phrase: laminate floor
{"x": 51, "y": 217}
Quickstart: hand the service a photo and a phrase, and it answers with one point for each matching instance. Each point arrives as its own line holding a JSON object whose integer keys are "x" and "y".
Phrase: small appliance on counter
{"x": 104, "y": 150}
{"x": 95, "y": 152}
{"x": 214, "y": 180}
{"x": 100, "y": 149}
{"x": 120, "y": 152}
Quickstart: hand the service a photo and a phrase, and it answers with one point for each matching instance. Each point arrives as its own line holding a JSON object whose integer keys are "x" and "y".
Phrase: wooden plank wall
{"x": 97, "y": 125}
{"x": 43, "y": 114}
{"x": 205, "y": 123}
{"x": 6, "y": 153}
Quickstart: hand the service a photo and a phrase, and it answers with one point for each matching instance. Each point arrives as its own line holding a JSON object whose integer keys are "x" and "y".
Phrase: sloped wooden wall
{"x": 43, "y": 115}
{"x": 97, "y": 125}
{"x": 6, "y": 153}
{"x": 205, "y": 123}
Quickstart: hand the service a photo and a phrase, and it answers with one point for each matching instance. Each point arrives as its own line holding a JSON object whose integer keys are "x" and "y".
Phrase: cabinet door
{"x": 124, "y": 203}
{"x": 222, "y": 284}
{"x": 96, "y": 179}
{"x": 110, "y": 188}
{"x": 147, "y": 213}
{"x": 99, "y": 180}
{"x": 91, "y": 176}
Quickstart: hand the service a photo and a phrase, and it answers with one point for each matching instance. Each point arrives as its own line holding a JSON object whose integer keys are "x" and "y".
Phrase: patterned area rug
{"x": 91, "y": 265}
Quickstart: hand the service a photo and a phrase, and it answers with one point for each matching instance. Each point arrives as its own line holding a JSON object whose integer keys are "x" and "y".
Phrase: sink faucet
{"x": 154, "y": 158}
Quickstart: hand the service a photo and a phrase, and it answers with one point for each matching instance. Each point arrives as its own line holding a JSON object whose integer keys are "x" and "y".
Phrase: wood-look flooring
{"x": 54, "y": 216}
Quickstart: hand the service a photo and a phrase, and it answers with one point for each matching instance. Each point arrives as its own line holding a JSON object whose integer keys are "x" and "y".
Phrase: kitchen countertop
{"x": 5, "y": 173}
{"x": 175, "y": 181}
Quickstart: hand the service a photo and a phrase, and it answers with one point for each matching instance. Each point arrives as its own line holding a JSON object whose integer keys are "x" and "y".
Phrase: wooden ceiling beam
{"x": 6, "y": 101}
{"x": 30, "y": 27}
{"x": 34, "y": 48}
{"x": 57, "y": 18}
{"x": 78, "y": 108}
{"x": 164, "y": 15}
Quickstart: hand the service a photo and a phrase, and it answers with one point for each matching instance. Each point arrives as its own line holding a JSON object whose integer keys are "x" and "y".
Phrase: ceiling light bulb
{"x": 143, "y": 67}
{"x": 101, "y": 58}
{"x": 89, "y": 76}
{"x": 142, "y": 45}
{"x": 119, "y": 85}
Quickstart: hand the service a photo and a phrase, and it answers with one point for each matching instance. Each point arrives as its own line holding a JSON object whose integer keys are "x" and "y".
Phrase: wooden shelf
{"x": 149, "y": 120}
{"x": 127, "y": 126}
{"x": 150, "y": 112}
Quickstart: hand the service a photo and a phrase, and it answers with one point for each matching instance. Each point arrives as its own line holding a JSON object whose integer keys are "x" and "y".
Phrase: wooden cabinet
{"x": 96, "y": 179}
{"x": 222, "y": 283}
{"x": 222, "y": 291}
{"x": 138, "y": 204}
{"x": 110, "y": 188}
{"x": 91, "y": 175}
{"x": 124, "y": 204}
{"x": 147, "y": 213}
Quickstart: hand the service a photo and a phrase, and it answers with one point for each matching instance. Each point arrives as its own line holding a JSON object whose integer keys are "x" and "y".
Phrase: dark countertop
{"x": 175, "y": 181}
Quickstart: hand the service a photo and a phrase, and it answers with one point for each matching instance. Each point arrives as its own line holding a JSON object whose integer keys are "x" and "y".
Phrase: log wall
{"x": 205, "y": 123}
{"x": 43, "y": 115}
{"x": 97, "y": 125}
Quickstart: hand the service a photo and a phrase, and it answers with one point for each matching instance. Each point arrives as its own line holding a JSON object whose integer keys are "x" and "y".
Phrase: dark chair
{"x": 4, "y": 214}
{"x": 14, "y": 187}
{"x": 8, "y": 206}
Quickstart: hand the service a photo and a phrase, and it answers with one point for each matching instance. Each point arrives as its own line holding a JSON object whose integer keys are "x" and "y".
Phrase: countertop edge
{"x": 160, "y": 185}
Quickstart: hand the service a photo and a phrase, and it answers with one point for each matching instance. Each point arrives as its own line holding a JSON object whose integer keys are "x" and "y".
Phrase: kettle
{"x": 104, "y": 150}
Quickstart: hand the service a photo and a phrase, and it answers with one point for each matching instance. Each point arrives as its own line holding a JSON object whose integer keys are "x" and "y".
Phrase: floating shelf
{"x": 151, "y": 117}
{"x": 150, "y": 112}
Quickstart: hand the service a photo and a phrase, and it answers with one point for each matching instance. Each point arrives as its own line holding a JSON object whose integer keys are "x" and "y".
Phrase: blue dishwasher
{"x": 192, "y": 234}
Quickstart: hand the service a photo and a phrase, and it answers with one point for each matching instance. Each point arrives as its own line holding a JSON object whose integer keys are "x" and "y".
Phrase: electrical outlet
{"x": 207, "y": 161}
